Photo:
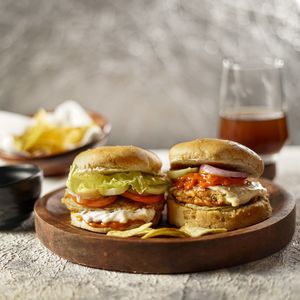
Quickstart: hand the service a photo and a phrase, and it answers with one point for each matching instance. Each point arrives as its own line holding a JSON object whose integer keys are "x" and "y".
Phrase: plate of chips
{"x": 51, "y": 139}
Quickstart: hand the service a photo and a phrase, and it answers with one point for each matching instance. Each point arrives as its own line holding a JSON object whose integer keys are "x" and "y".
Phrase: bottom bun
{"x": 77, "y": 221}
{"x": 230, "y": 218}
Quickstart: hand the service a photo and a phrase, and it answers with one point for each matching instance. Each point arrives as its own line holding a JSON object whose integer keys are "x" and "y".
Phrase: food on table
{"x": 215, "y": 185}
{"x": 115, "y": 188}
{"x": 145, "y": 231}
{"x": 138, "y": 231}
{"x": 196, "y": 231}
{"x": 67, "y": 127}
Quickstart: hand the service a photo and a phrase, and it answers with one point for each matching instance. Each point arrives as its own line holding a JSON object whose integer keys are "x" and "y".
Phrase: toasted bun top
{"x": 119, "y": 158}
{"x": 217, "y": 152}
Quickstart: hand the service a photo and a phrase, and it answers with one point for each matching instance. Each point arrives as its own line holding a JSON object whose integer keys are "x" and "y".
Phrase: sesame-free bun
{"x": 227, "y": 217}
{"x": 78, "y": 222}
{"x": 217, "y": 152}
{"x": 119, "y": 158}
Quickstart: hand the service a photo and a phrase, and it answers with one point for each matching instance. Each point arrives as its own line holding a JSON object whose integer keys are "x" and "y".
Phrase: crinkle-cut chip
{"x": 131, "y": 232}
{"x": 43, "y": 138}
{"x": 194, "y": 231}
{"x": 173, "y": 232}
{"x": 145, "y": 232}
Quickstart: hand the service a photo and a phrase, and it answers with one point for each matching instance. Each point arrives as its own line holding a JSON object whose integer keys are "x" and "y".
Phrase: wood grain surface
{"x": 160, "y": 255}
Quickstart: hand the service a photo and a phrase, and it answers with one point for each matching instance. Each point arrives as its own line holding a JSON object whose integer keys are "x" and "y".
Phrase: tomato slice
{"x": 144, "y": 199}
{"x": 95, "y": 203}
{"x": 205, "y": 180}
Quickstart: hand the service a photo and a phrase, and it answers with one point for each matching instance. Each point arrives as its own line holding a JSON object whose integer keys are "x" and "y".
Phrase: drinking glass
{"x": 252, "y": 107}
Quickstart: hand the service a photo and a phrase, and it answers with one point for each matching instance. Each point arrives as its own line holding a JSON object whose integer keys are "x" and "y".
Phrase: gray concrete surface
{"x": 153, "y": 67}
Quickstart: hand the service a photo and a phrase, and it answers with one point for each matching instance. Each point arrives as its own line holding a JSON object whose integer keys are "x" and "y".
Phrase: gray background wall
{"x": 152, "y": 67}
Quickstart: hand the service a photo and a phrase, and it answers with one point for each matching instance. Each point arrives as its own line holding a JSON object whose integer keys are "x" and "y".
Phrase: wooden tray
{"x": 165, "y": 255}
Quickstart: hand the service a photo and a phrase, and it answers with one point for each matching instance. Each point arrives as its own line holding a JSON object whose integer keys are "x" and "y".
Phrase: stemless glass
{"x": 252, "y": 107}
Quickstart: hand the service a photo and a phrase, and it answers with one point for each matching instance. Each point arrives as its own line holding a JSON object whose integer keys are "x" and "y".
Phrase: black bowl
{"x": 20, "y": 187}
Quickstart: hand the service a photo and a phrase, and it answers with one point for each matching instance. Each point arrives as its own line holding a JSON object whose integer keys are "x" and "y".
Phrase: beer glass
{"x": 252, "y": 107}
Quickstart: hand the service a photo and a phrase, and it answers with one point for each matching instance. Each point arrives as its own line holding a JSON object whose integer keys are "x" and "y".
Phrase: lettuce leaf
{"x": 116, "y": 183}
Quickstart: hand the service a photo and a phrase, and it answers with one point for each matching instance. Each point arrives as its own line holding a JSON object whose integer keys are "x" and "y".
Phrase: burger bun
{"x": 216, "y": 152}
{"x": 228, "y": 217}
{"x": 119, "y": 159}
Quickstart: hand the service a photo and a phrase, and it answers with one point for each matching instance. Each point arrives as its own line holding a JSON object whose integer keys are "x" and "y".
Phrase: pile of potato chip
{"x": 44, "y": 138}
{"x": 145, "y": 232}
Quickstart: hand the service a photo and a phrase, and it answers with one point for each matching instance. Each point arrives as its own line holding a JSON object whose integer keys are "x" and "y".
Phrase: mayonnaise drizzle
{"x": 118, "y": 215}
{"x": 238, "y": 195}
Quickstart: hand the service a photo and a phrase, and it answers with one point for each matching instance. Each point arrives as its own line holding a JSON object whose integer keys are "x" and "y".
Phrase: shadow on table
{"x": 25, "y": 226}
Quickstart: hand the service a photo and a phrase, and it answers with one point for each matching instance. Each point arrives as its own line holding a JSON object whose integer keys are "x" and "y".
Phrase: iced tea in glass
{"x": 252, "y": 107}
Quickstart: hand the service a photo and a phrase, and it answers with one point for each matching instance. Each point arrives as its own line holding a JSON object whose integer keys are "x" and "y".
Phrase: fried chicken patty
{"x": 219, "y": 196}
{"x": 201, "y": 197}
{"x": 120, "y": 203}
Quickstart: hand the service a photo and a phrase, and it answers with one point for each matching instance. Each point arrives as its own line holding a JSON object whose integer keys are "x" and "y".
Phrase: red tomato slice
{"x": 95, "y": 203}
{"x": 143, "y": 199}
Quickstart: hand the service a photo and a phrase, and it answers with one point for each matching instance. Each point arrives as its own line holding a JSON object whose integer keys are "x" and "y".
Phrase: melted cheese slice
{"x": 237, "y": 195}
{"x": 118, "y": 215}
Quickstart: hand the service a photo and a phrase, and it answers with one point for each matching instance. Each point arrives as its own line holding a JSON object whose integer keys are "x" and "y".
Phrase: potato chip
{"x": 194, "y": 231}
{"x": 145, "y": 232}
{"x": 44, "y": 138}
{"x": 174, "y": 232}
{"x": 143, "y": 229}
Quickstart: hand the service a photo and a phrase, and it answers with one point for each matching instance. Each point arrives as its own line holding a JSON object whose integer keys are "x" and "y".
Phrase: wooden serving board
{"x": 165, "y": 255}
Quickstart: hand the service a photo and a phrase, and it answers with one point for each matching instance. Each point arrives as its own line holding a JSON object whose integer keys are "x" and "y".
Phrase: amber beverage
{"x": 252, "y": 107}
{"x": 263, "y": 131}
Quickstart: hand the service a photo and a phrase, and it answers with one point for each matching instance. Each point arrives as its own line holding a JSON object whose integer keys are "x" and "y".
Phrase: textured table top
{"x": 30, "y": 271}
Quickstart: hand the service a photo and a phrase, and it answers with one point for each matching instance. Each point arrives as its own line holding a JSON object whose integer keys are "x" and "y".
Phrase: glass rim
{"x": 253, "y": 63}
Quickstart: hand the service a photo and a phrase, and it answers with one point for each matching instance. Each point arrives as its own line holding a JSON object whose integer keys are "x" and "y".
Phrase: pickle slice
{"x": 173, "y": 174}
{"x": 156, "y": 189}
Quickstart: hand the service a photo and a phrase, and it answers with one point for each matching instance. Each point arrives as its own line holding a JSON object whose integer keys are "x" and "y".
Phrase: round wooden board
{"x": 165, "y": 255}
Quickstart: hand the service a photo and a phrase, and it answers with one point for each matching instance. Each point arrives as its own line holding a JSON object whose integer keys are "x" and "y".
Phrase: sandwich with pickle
{"x": 115, "y": 188}
{"x": 215, "y": 185}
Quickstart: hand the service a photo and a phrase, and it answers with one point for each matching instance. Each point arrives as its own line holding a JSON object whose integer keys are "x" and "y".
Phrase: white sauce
{"x": 69, "y": 114}
{"x": 236, "y": 195}
{"x": 118, "y": 215}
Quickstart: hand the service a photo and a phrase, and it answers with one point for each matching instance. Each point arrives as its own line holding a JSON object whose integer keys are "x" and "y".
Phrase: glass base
{"x": 270, "y": 166}
{"x": 270, "y": 170}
